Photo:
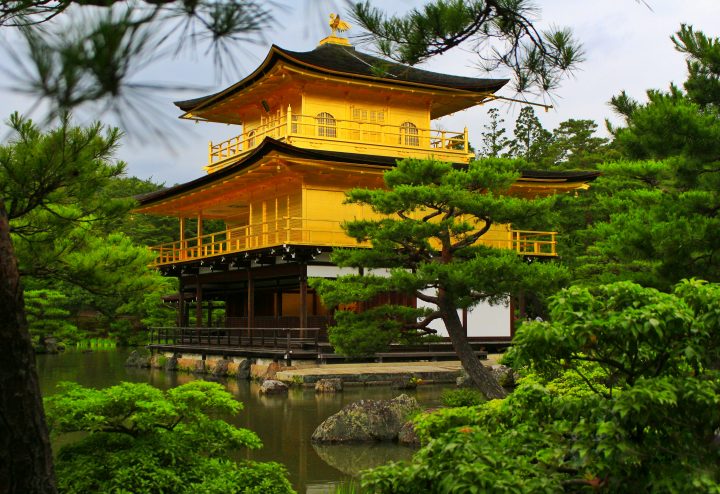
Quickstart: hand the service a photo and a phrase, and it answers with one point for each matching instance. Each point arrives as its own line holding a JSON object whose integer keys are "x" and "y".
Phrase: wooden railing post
{"x": 465, "y": 139}
{"x": 289, "y": 123}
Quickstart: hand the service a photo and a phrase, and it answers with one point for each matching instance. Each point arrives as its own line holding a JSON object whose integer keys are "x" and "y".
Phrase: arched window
{"x": 409, "y": 134}
{"x": 251, "y": 139}
{"x": 326, "y": 125}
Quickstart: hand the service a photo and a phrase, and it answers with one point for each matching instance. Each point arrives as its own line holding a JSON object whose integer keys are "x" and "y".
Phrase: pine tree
{"x": 502, "y": 34}
{"x": 531, "y": 139}
{"x": 494, "y": 140}
{"x": 433, "y": 217}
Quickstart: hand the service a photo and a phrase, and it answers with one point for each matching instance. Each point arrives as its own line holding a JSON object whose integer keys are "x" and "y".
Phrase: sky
{"x": 627, "y": 47}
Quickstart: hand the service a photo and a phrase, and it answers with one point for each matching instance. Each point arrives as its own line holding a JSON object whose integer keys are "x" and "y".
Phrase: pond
{"x": 284, "y": 423}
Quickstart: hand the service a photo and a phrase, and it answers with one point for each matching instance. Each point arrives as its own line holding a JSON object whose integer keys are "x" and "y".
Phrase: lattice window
{"x": 366, "y": 115}
{"x": 409, "y": 134}
{"x": 326, "y": 125}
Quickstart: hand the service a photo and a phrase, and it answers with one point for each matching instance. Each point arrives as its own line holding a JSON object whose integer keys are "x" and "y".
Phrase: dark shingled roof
{"x": 268, "y": 145}
{"x": 345, "y": 60}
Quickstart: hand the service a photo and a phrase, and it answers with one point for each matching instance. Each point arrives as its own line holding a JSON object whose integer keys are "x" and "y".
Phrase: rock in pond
{"x": 139, "y": 359}
{"x": 407, "y": 434}
{"x": 367, "y": 420}
{"x": 271, "y": 386}
{"x": 328, "y": 386}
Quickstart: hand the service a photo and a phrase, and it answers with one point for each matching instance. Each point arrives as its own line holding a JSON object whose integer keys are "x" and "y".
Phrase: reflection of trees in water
{"x": 351, "y": 459}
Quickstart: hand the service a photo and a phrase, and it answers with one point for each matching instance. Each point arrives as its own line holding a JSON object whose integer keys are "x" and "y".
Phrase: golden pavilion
{"x": 310, "y": 126}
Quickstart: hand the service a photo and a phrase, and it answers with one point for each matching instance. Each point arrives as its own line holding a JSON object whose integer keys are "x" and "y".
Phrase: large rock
{"x": 221, "y": 368}
{"x": 367, "y": 420}
{"x": 243, "y": 372}
{"x": 171, "y": 364}
{"x": 506, "y": 377}
{"x": 407, "y": 434}
{"x": 271, "y": 386}
{"x": 328, "y": 386}
{"x": 139, "y": 358}
{"x": 49, "y": 344}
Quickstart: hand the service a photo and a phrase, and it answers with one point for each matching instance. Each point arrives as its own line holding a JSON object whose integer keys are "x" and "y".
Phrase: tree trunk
{"x": 481, "y": 376}
{"x": 25, "y": 456}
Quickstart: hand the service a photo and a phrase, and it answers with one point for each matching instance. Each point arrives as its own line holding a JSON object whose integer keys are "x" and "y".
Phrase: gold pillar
{"x": 199, "y": 234}
{"x": 183, "y": 243}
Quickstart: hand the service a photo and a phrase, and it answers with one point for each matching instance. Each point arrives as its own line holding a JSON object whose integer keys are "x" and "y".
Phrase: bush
{"x": 462, "y": 397}
{"x": 621, "y": 394}
{"x": 140, "y": 439}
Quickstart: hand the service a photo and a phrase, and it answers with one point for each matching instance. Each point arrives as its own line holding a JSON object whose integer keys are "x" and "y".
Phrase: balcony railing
{"x": 321, "y": 233}
{"x": 325, "y": 132}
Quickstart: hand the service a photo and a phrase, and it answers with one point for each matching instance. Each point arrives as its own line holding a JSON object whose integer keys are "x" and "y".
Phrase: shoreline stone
{"x": 367, "y": 421}
{"x": 140, "y": 359}
{"x": 329, "y": 386}
{"x": 271, "y": 386}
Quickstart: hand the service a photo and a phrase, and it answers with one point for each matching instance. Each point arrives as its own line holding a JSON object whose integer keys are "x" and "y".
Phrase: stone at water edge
{"x": 367, "y": 420}
{"x": 243, "y": 372}
{"x": 328, "y": 386}
{"x": 506, "y": 377}
{"x": 221, "y": 368}
{"x": 139, "y": 359}
{"x": 271, "y": 386}
{"x": 407, "y": 434}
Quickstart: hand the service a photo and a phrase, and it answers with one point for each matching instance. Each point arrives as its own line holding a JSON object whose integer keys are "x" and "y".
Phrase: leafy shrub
{"x": 461, "y": 397}
{"x": 140, "y": 439}
{"x": 621, "y": 394}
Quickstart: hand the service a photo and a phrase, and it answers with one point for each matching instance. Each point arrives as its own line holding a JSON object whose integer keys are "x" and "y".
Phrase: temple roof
{"x": 340, "y": 60}
{"x": 272, "y": 145}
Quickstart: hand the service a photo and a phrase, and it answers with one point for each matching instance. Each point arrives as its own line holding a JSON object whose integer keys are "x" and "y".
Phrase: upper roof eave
{"x": 311, "y": 60}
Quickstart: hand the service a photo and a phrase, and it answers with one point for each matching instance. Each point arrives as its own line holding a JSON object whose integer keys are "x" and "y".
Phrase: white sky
{"x": 627, "y": 46}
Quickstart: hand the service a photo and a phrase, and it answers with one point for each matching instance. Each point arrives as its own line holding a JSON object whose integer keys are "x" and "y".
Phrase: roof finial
{"x": 336, "y": 25}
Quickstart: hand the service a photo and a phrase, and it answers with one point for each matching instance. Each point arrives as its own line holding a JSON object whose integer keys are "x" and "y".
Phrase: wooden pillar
{"x": 199, "y": 234}
{"x": 198, "y": 302}
{"x": 277, "y": 308}
{"x": 250, "y": 299}
{"x": 181, "y": 321}
{"x": 183, "y": 242}
{"x": 303, "y": 296}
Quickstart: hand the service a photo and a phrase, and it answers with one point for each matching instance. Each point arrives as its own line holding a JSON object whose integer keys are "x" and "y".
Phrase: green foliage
{"x": 65, "y": 209}
{"x": 574, "y": 146}
{"x": 621, "y": 394}
{"x": 47, "y": 315}
{"x": 654, "y": 220}
{"x": 531, "y": 140}
{"x": 461, "y": 397}
{"x": 140, "y": 439}
{"x": 494, "y": 140}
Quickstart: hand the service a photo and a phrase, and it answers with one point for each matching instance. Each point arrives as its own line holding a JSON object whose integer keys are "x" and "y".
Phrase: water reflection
{"x": 351, "y": 459}
{"x": 284, "y": 423}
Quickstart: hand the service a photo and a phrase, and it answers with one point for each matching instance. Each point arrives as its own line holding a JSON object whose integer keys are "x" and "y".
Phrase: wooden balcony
{"x": 320, "y": 233}
{"x": 351, "y": 136}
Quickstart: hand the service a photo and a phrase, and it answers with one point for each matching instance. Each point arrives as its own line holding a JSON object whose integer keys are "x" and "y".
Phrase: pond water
{"x": 284, "y": 423}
